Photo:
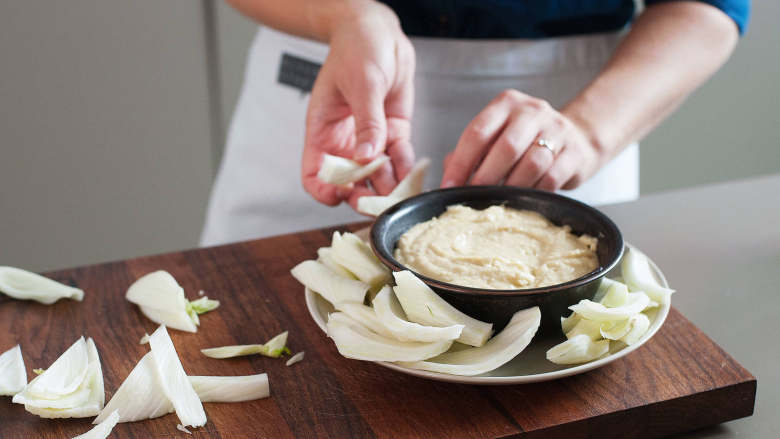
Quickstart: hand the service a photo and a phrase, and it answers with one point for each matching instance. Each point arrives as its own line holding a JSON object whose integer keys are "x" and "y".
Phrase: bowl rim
{"x": 390, "y": 261}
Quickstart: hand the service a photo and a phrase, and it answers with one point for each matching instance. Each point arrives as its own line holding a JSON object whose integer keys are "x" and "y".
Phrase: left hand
{"x": 500, "y": 145}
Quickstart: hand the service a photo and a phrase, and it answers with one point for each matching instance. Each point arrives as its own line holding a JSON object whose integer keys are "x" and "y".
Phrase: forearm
{"x": 313, "y": 19}
{"x": 671, "y": 49}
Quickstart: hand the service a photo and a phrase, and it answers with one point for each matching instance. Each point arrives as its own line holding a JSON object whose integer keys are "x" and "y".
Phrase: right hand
{"x": 361, "y": 104}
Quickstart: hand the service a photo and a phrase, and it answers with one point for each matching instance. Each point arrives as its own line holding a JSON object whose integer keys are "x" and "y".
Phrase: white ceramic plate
{"x": 528, "y": 367}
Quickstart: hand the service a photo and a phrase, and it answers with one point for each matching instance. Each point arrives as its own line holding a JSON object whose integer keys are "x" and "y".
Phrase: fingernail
{"x": 448, "y": 183}
{"x": 363, "y": 151}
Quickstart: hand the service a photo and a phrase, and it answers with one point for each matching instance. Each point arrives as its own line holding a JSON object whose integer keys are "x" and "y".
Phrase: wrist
{"x": 347, "y": 13}
{"x": 578, "y": 113}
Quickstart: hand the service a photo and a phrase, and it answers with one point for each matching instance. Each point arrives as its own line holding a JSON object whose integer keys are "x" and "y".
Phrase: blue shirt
{"x": 530, "y": 18}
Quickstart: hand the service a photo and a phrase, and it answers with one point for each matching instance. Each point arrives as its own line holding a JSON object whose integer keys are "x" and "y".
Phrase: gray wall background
{"x": 113, "y": 114}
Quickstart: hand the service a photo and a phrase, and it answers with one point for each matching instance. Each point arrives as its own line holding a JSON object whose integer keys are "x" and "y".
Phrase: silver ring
{"x": 544, "y": 143}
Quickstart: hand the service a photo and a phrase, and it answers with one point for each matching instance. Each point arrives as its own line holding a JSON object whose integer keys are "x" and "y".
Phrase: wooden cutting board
{"x": 678, "y": 381}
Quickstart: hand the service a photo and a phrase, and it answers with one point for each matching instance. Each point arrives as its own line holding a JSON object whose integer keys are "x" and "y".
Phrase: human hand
{"x": 361, "y": 104}
{"x": 501, "y": 145}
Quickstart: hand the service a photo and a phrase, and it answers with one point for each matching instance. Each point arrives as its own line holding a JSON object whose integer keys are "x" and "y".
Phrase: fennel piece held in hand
{"x": 25, "y": 285}
{"x": 342, "y": 171}
{"x": 162, "y": 300}
{"x": 410, "y": 186}
{"x": 72, "y": 387}
{"x": 13, "y": 375}
{"x": 273, "y": 348}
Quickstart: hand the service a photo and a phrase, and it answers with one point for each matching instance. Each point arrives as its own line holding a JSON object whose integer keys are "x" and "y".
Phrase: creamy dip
{"x": 496, "y": 248}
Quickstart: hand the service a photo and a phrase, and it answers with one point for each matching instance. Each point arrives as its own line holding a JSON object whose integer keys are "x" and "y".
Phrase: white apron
{"x": 258, "y": 190}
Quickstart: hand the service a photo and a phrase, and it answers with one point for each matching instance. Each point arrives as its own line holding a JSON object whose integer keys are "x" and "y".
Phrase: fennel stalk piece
{"x": 342, "y": 171}
{"x": 295, "y": 359}
{"x": 422, "y": 305}
{"x": 356, "y": 256}
{"x": 366, "y": 316}
{"x": 410, "y": 186}
{"x": 354, "y": 340}
{"x": 635, "y": 303}
{"x": 273, "y": 348}
{"x": 25, "y": 285}
{"x": 231, "y": 388}
{"x": 13, "y": 375}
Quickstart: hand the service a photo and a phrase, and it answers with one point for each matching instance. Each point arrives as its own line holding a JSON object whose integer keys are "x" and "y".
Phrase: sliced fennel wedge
{"x": 422, "y": 305}
{"x": 325, "y": 256}
{"x": 173, "y": 380}
{"x": 334, "y": 287}
{"x": 578, "y": 349}
{"x": 161, "y": 299}
{"x": 410, "y": 186}
{"x": 635, "y": 303}
{"x": 25, "y": 285}
{"x": 341, "y": 171}
{"x": 13, "y": 375}
{"x": 231, "y": 388}
{"x": 103, "y": 429}
{"x": 355, "y": 255}
{"x": 638, "y": 325}
{"x": 638, "y": 276}
{"x": 52, "y": 393}
{"x": 354, "y": 340}
{"x": 499, "y": 350}
{"x": 392, "y": 316}
{"x": 588, "y": 327}
{"x": 274, "y": 348}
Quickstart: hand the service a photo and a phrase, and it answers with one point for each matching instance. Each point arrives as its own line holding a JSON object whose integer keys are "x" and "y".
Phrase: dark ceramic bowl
{"x": 498, "y": 306}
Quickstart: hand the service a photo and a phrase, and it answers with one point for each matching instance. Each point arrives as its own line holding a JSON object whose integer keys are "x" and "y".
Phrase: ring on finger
{"x": 546, "y": 143}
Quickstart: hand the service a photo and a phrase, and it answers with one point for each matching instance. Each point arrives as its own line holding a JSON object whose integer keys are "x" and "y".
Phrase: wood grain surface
{"x": 678, "y": 381}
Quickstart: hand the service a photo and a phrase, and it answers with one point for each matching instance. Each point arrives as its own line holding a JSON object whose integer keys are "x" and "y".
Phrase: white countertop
{"x": 719, "y": 247}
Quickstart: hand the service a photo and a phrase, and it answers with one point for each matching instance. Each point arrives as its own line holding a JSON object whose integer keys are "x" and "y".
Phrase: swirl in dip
{"x": 498, "y": 248}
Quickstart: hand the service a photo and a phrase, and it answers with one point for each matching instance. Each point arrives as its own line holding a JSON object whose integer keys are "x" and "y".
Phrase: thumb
{"x": 370, "y": 122}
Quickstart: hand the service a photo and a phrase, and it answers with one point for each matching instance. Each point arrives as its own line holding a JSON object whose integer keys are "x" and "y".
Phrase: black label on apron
{"x": 297, "y": 72}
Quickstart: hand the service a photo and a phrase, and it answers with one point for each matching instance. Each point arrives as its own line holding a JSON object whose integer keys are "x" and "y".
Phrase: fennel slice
{"x": 354, "y": 340}
{"x": 231, "y": 388}
{"x": 13, "y": 375}
{"x": 616, "y": 295}
{"x": 329, "y": 284}
{"x": 638, "y": 276}
{"x": 140, "y": 395}
{"x": 392, "y": 316}
{"x": 366, "y": 316}
{"x": 639, "y": 325}
{"x": 578, "y": 349}
{"x": 635, "y": 303}
{"x": 26, "y": 285}
{"x": 588, "y": 327}
{"x": 325, "y": 256}
{"x": 341, "y": 171}
{"x": 103, "y": 429}
{"x": 355, "y": 255}
{"x": 422, "y": 305}
{"x": 295, "y": 359}
{"x": 410, "y": 186}
{"x": 499, "y": 350}
{"x": 173, "y": 380}
{"x": 180, "y": 319}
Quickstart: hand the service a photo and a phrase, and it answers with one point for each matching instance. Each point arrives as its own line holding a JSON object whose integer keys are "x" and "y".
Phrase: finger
{"x": 402, "y": 157}
{"x": 383, "y": 179}
{"x": 562, "y": 170}
{"x": 532, "y": 166}
{"x": 366, "y": 98}
{"x": 473, "y": 144}
{"x": 510, "y": 146}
